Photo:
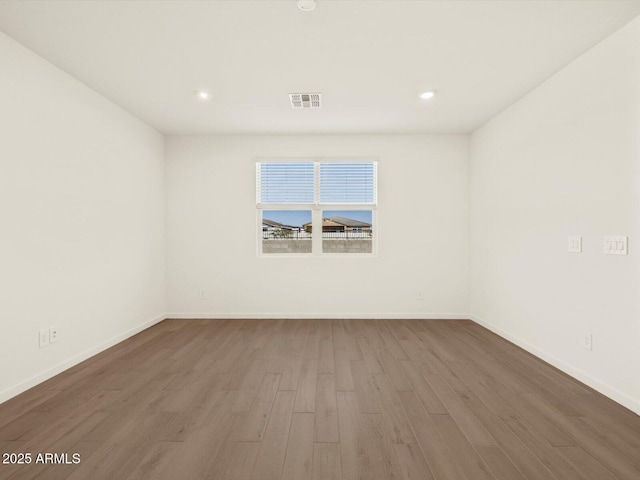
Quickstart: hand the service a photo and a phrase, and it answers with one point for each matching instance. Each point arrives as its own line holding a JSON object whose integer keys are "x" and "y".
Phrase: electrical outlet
{"x": 420, "y": 295}
{"x": 43, "y": 337}
{"x": 53, "y": 334}
{"x": 587, "y": 341}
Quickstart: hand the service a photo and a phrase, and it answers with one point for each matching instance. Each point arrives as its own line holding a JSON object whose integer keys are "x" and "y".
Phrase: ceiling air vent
{"x": 305, "y": 100}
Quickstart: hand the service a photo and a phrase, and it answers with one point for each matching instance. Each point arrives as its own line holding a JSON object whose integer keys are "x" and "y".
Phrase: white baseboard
{"x": 55, "y": 370}
{"x": 598, "y": 385}
{"x": 329, "y": 316}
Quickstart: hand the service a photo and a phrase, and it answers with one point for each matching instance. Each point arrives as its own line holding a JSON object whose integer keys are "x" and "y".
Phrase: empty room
{"x": 320, "y": 240}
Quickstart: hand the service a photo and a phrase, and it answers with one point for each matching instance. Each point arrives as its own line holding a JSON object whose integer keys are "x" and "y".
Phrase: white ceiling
{"x": 370, "y": 59}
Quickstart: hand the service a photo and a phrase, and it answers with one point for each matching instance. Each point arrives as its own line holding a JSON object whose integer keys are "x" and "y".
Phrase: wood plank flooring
{"x": 319, "y": 400}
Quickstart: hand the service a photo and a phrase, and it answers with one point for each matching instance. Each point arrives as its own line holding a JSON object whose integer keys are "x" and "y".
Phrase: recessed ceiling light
{"x": 427, "y": 95}
{"x": 202, "y": 95}
{"x": 306, "y": 5}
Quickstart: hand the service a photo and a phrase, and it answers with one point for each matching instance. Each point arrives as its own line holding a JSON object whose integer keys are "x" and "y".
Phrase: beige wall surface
{"x": 563, "y": 161}
{"x": 423, "y": 182}
{"x": 82, "y": 220}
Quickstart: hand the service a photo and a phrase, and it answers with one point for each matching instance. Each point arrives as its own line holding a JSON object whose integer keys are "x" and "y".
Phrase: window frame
{"x": 317, "y": 208}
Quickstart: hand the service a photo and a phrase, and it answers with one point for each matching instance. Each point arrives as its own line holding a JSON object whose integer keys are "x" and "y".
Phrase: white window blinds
{"x": 336, "y": 183}
{"x": 348, "y": 183}
{"x": 285, "y": 182}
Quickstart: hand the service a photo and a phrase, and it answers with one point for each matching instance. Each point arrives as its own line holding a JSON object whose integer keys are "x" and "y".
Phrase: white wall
{"x": 81, "y": 220}
{"x": 422, "y": 243}
{"x": 564, "y": 160}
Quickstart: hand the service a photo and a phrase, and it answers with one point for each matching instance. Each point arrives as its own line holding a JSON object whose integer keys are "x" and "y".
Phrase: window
{"x": 347, "y": 231}
{"x": 286, "y": 231}
{"x": 316, "y": 208}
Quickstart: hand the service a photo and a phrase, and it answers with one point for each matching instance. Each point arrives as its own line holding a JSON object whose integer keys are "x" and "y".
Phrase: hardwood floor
{"x": 319, "y": 400}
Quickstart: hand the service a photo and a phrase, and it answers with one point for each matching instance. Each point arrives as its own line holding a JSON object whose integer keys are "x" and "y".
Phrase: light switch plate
{"x": 43, "y": 338}
{"x": 575, "y": 244}
{"x": 615, "y": 245}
